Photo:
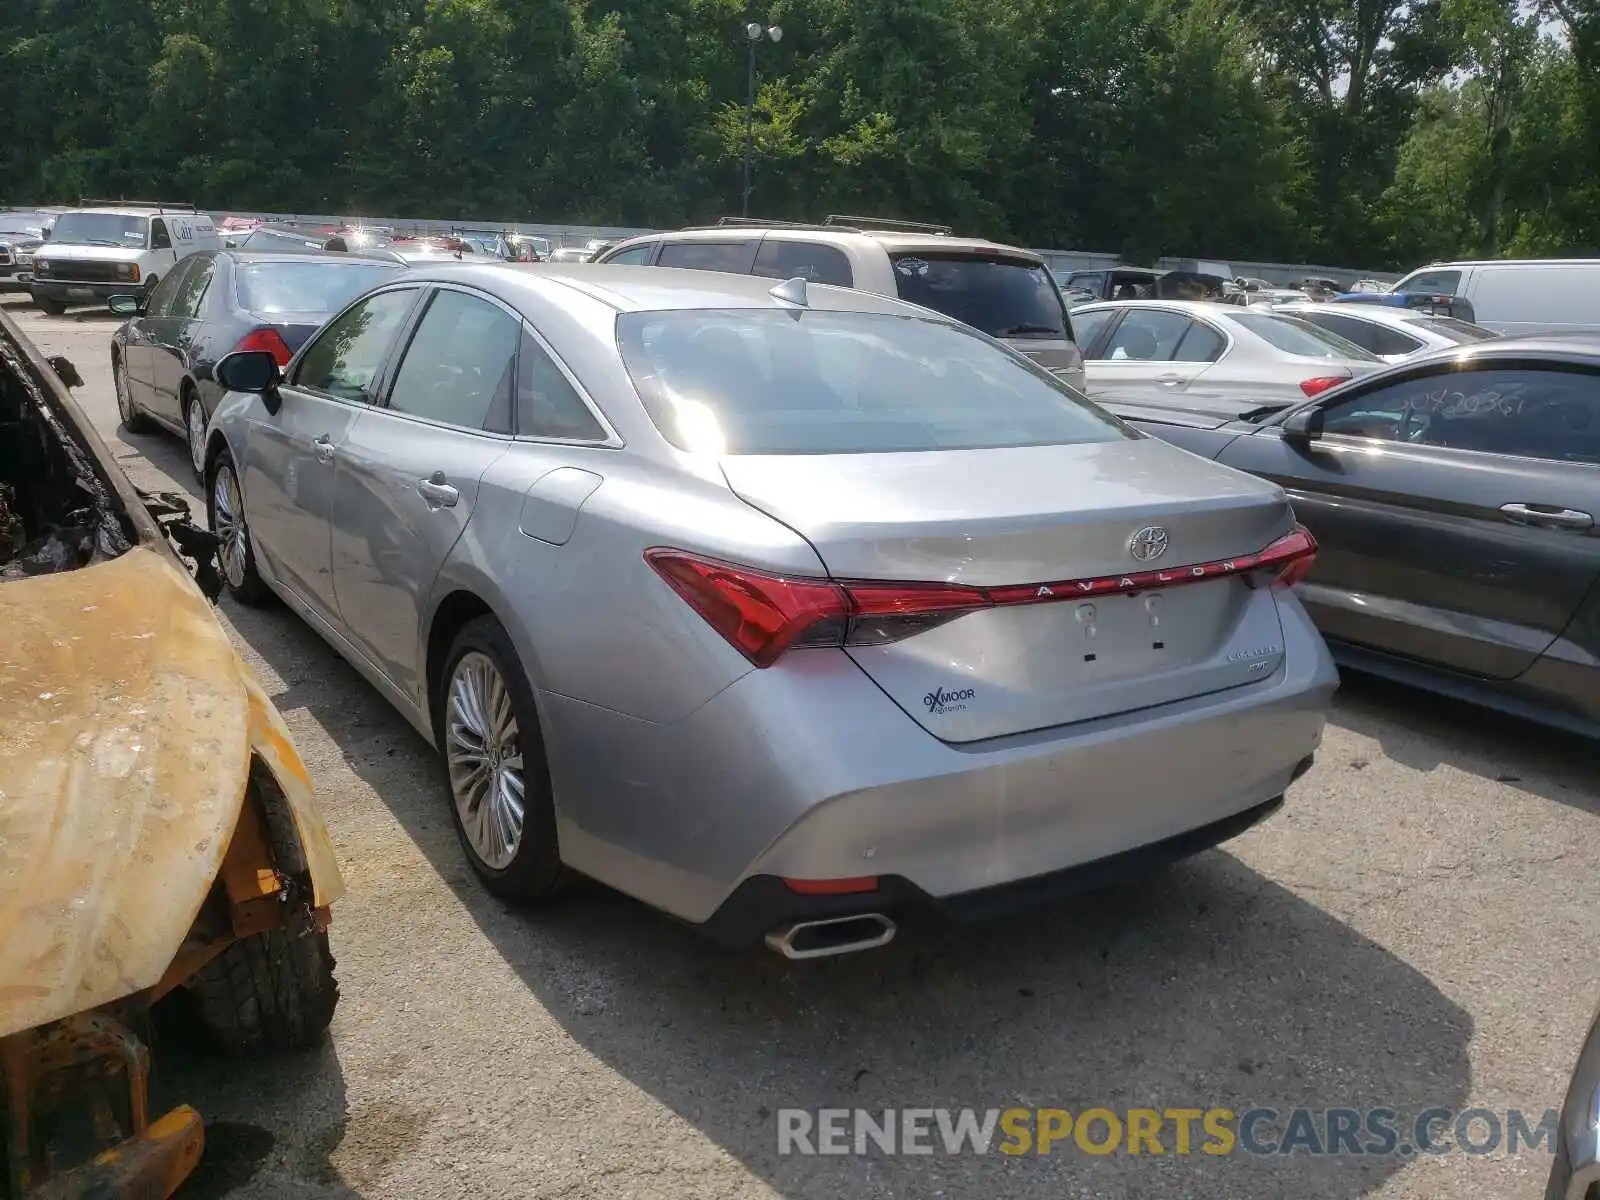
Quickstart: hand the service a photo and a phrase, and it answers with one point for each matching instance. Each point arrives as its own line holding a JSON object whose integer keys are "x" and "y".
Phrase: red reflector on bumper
{"x": 832, "y": 887}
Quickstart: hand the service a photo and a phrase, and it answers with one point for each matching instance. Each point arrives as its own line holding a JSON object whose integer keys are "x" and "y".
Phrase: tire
{"x": 271, "y": 991}
{"x": 236, "y": 555}
{"x": 528, "y": 868}
{"x": 133, "y": 420}
{"x": 192, "y": 407}
{"x": 54, "y": 308}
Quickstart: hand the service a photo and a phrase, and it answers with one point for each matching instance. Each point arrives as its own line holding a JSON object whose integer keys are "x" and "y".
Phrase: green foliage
{"x": 1369, "y": 132}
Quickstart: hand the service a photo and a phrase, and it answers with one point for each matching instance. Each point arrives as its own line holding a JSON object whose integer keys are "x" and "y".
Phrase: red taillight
{"x": 268, "y": 339}
{"x": 763, "y": 615}
{"x": 1315, "y": 387}
{"x": 1290, "y": 557}
{"x": 832, "y": 887}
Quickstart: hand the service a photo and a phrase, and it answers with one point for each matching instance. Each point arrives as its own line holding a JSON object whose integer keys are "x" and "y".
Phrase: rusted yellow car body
{"x": 148, "y": 792}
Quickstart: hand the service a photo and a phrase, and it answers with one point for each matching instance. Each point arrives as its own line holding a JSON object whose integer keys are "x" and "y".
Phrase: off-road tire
{"x": 535, "y": 873}
{"x": 49, "y": 307}
{"x": 269, "y": 992}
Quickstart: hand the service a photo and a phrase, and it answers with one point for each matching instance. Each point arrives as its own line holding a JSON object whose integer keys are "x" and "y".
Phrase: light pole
{"x": 753, "y": 33}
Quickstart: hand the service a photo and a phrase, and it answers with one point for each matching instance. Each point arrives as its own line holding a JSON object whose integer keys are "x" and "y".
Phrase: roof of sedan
{"x": 649, "y": 289}
{"x": 290, "y": 255}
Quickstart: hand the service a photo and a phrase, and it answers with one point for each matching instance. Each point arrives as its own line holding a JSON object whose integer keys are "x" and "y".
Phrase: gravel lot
{"x": 1416, "y": 928}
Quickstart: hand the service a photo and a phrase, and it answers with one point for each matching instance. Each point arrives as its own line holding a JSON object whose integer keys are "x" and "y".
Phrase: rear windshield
{"x": 307, "y": 287}
{"x": 100, "y": 229}
{"x": 1004, "y": 297}
{"x": 1459, "y": 332}
{"x": 1294, "y": 336}
{"x": 763, "y": 381}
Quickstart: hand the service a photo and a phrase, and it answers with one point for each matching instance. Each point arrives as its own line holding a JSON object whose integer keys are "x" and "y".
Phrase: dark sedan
{"x": 1454, "y": 499}
{"x": 21, "y": 235}
{"x": 212, "y": 304}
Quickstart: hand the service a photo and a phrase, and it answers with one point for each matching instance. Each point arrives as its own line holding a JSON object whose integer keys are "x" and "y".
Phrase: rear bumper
{"x": 808, "y": 771}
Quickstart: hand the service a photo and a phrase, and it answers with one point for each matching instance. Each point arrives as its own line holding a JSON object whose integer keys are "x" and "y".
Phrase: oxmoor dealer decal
{"x": 940, "y": 701}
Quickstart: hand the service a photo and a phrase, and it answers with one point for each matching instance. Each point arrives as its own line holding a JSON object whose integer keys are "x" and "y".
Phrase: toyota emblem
{"x": 1149, "y": 544}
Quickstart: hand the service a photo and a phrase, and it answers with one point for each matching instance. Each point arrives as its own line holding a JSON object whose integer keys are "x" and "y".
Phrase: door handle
{"x": 324, "y": 448}
{"x": 1170, "y": 379}
{"x": 437, "y": 492}
{"x": 1547, "y": 516}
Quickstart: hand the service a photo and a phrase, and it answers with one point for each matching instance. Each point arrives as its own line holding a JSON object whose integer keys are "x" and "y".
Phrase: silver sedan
{"x": 783, "y": 608}
{"x": 1392, "y": 333}
{"x": 1156, "y": 348}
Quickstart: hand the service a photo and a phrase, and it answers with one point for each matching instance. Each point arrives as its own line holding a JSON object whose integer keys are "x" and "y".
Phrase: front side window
{"x": 760, "y": 381}
{"x": 160, "y": 239}
{"x": 1146, "y": 335}
{"x": 191, "y": 289}
{"x": 163, "y": 301}
{"x": 812, "y": 261}
{"x": 1003, "y": 297}
{"x": 344, "y": 360}
{"x": 707, "y": 256}
{"x": 458, "y": 368}
{"x": 633, "y": 256}
{"x": 1434, "y": 283}
{"x": 1526, "y": 411}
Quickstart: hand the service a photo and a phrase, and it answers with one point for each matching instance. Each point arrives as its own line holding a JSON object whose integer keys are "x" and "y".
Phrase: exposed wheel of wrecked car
{"x": 271, "y": 991}
{"x": 487, "y": 727}
{"x": 133, "y": 420}
{"x": 225, "y": 512}
{"x": 194, "y": 420}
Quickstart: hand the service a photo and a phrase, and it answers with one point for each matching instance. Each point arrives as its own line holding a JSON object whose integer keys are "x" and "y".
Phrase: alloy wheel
{"x": 197, "y": 435}
{"x": 232, "y": 534}
{"x": 483, "y": 754}
{"x": 119, "y": 380}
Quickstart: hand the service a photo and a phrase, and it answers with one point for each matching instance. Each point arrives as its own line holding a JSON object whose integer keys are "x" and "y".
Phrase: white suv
{"x": 1004, "y": 291}
{"x": 103, "y": 249}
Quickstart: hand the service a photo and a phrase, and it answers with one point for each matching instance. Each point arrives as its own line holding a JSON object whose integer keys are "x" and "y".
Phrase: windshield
{"x": 100, "y": 229}
{"x": 1004, "y": 297}
{"x": 1460, "y": 332}
{"x": 16, "y": 225}
{"x": 307, "y": 287}
{"x": 1294, "y": 336}
{"x": 761, "y": 381}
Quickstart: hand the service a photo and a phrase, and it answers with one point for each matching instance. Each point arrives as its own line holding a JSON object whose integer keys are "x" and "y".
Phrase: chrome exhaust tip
{"x": 836, "y": 935}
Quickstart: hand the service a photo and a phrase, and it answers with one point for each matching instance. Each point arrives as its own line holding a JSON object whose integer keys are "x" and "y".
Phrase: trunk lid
{"x": 1041, "y": 515}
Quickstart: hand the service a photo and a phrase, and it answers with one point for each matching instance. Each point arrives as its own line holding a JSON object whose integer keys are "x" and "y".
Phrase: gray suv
{"x": 1003, "y": 291}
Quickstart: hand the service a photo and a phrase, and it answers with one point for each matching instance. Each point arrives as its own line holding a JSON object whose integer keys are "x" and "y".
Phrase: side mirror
{"x": 126, "y": 306}
{"x": 1302, "y": 427}
{"x": 249, "y": 371}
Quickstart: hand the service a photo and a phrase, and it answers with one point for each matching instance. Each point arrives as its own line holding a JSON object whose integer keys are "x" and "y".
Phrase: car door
{"x": 144, "y": 333}
{"x": 406, "y": 478}
{"x": 288, "y": 472}
{"x": 1153, "y": 348}
{"x": 1454, "y": 509}
{"x": 163, "y": 258}
{"x": 172, "y": 334}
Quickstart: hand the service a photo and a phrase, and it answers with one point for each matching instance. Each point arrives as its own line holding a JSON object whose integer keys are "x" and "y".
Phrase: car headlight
{"x": 128, "y": 271}
{"x": 41, "y": 266}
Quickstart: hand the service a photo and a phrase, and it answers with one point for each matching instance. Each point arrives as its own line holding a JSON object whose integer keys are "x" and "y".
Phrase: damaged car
{"x": 159, "y": 835}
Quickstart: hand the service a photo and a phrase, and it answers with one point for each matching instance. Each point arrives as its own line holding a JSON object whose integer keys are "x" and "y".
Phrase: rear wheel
{"x": 133, "y": 420}
{"x": 270, "y": 991}
{"x": 194, "y": 421}
{"x": 52, "y": 307}
{"x": 225, "y": 514}
{"x": 487, "y": 727}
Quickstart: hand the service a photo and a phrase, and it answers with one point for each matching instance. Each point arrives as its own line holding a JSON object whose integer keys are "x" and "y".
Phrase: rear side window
{"x": 548, "y": 406}
{"x": 808, "y": 260}
{"x": 708, "y": 256}
{"x": 1300, "y": 338}
{"x": 1200, "y": 343}
{"x": 633, "y": 256}
{"x": 1088, "y": 326}
{"x": 759, "y": 381}
{"x": 1003, "y": 297}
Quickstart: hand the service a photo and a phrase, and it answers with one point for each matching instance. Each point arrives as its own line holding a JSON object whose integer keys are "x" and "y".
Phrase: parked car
{"x": 1390, "y": 333}
{"x": 212, "y": 304}
{"x": 1517, "y": 295}
{"x": 21, "y": 234}
{"x": 818, "y": 517}
{"x": 1575, "y": 1173}
{"x": 161, "y": 834}
{"x": 1005, "y": 291}
{"x": 569, "y": 254}
{"x": 104, "y": 249}
{"x": 1245, "y": 355}
{"x": 1454, "y": 499}
{"x": 1116, "y": 283}
{"x": 1273, "y": 296}
{"x": 273, "y": 237}
{"x": 525, "y": 247}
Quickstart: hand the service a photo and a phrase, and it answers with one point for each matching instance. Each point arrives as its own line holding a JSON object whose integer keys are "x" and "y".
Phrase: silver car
{"x": 1244, "y": 354}
{"x": 1391, "y": 333}
{"x": 785, "y": 609}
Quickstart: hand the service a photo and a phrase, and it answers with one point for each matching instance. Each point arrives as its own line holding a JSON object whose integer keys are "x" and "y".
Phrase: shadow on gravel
{"x": 1210, "y": 986}
{"x": 1422, "y": 731}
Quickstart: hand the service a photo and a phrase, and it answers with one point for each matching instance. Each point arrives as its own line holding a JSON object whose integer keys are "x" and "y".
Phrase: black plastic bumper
{"x": 72, "y": 291}
{"x": 763, "y": 902}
